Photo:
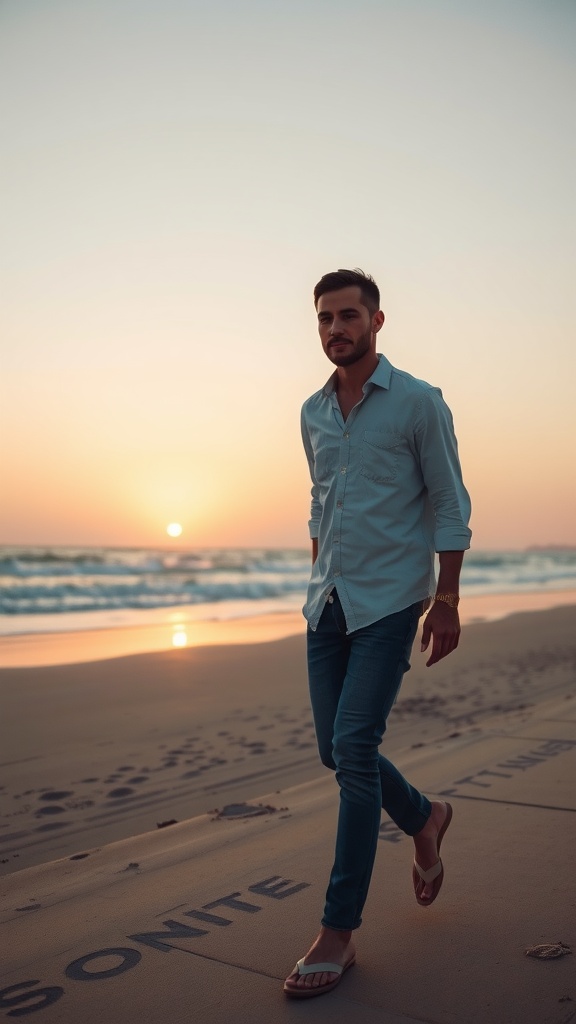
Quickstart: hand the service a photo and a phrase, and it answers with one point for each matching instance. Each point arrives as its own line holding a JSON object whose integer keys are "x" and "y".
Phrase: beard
{"x": 357, "y": 352}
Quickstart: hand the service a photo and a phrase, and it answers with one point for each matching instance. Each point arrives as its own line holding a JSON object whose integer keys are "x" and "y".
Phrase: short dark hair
{"x": 345, "y": 279}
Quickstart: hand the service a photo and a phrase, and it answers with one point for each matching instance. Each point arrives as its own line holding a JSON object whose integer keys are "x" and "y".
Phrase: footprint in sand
{"x": 56, "y": 794}
{"x": 43, "y": 811}
{"x": 255, "y": 748}
{"x": 116, "y": 794}
{"x": 138, "y": 779}
{"x": 51, "y": 826}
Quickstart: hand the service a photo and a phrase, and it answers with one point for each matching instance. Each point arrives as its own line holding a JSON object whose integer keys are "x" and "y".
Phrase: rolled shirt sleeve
{"x": 437, "y": 449}
{"x": 315, "y": 505}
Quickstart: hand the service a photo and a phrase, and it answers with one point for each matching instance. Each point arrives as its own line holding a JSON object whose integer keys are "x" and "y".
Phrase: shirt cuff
{"x": 450, "y": 538}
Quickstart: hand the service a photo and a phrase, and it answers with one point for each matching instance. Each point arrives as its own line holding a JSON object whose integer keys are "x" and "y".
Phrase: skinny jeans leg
{"x": 354, "y": 681}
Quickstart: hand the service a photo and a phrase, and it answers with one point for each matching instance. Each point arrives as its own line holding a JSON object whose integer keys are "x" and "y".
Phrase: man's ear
{"x": 377, "y": 321}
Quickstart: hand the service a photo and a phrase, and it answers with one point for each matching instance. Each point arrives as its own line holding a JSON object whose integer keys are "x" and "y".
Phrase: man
{"x": 387, "y": 493}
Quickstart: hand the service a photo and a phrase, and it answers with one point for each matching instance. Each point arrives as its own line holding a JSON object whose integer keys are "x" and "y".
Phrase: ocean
{"x": 58, "y": 589}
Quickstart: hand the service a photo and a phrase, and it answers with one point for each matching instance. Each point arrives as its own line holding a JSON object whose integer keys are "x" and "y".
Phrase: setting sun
{"x": 174, "y": 530}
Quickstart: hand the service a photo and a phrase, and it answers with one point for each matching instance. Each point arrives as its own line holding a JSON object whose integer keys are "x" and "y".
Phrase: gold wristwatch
{"x": 450, "y": 599}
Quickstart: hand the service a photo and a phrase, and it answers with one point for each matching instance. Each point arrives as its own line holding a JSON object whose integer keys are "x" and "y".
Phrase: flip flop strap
{"x": 431, "y": 874}
{"x": 303, "y": 968}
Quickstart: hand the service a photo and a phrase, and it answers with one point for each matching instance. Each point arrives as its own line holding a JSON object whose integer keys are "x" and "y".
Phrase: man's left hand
{"x": 442, "y": 624}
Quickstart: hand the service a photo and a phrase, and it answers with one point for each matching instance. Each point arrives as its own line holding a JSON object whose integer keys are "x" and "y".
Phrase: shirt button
{"x": 336, "y": 541}
{"x": 337, "y": 573}
{"x": 346, "y": 435}
{"x": 342, "y": 469}
{"x": 339, "y": 504}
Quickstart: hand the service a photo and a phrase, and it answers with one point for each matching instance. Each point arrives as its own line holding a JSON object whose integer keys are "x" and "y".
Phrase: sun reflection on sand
{"x": 179, "y": 637}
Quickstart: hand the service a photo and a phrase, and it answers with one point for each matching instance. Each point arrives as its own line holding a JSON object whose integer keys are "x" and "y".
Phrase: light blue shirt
{"x": 387, "y": 492}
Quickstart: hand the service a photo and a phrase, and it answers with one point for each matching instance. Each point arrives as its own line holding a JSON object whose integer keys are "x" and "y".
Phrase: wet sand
{"x": 184, "y": 630}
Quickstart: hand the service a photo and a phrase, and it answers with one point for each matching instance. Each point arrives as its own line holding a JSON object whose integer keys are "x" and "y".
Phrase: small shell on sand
{"x": 548, "y": 950}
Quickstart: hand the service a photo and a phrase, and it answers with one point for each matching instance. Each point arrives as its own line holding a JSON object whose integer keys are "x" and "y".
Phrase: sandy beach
{"x": 97, "y": 751}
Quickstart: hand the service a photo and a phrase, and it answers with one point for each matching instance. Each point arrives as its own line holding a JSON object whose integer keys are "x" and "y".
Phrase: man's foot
{"x": 428, "y": 872}
{"x": 330, "y": 947}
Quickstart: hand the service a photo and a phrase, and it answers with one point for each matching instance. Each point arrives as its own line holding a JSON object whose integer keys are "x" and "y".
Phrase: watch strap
{"x": 450, "y": 599}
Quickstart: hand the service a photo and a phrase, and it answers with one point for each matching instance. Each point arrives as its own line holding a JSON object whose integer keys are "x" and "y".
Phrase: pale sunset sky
{"x": 175, "y": 176}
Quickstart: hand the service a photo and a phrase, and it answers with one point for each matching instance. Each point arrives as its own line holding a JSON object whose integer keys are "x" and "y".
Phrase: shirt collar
{"x": 380, "y": 377}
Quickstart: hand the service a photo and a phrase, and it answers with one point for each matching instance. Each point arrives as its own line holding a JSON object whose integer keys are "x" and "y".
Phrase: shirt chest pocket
{"x": 379, "y": 455}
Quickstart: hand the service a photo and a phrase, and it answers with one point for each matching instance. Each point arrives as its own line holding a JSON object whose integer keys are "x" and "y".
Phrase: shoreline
{"x": 27, "y": 650}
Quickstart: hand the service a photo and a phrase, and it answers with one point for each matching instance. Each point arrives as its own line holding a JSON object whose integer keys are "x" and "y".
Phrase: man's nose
{"x": 336, "y": 327}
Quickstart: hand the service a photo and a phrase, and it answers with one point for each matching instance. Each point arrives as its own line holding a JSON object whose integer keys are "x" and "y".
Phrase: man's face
{"x": 347, "y": 330}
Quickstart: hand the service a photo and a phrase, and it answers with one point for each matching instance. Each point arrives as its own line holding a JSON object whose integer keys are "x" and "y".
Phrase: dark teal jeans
{"x": 354, "y": 681}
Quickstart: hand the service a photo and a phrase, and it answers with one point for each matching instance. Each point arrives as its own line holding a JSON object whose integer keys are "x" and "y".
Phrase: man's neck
{"x": 351, "y": 379}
